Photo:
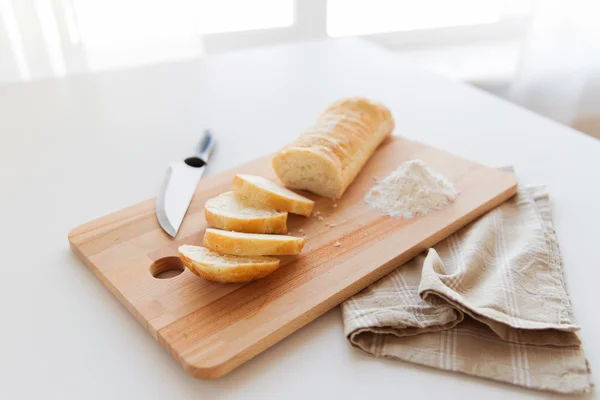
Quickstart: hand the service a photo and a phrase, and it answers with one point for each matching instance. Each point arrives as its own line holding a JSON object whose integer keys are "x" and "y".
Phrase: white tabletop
{"x": 78, "y": 148}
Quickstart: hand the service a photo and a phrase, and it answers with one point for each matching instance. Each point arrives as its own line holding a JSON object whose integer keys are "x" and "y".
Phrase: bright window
{"x": 110, "y": 21}
{"x": 243, "y": 15}
{"x": 359, "y": 17}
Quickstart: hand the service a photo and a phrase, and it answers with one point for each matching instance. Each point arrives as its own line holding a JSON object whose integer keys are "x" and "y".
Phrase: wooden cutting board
{"x": 211, "y": 328}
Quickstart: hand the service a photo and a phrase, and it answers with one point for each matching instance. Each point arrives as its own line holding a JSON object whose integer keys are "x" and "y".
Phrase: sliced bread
{"x": 228, "y": 211}
{"x": 326, "y": 158}
{"x": 251, "y": 244}
{"x": 225, "y": 268}
{"x": 258, "y": 190}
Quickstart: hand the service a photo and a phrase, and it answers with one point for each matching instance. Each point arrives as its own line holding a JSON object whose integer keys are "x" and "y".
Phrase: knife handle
{"x": 207, "y": 144}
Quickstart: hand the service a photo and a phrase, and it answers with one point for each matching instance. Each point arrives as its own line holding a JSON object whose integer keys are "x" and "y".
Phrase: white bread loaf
{"x": 229, "y": 212}
{"x": 225, "y": 268}
{"x": 326, "y": 158}
{"x": 260, "y": 191}
{"x": 251, "y": 244}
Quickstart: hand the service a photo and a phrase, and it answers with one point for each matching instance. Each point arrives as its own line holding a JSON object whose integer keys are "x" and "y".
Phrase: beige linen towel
{"x": 488, "y": 301}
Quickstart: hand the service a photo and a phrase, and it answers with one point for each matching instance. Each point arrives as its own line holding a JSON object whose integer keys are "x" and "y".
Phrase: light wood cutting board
{"x": 211, "y": 328}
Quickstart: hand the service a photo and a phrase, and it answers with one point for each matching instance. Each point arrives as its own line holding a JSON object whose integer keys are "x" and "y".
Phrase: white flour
{"x": 412, "y": 189}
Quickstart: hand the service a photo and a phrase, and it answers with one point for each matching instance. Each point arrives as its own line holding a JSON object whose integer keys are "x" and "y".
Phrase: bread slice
{"x": 225, "y": 268}
{"x": 228, "y": 211}
{"x": 258, "y": 190}
{"x": 326, "y": 158}
{"x": 251, "y": 244}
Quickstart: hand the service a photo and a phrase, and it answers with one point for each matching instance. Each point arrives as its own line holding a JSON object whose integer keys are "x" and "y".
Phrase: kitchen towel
{"x": 489, "y": 301}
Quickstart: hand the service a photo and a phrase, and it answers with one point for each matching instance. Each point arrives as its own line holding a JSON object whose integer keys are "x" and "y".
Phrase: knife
{"x": 180, "y": 184}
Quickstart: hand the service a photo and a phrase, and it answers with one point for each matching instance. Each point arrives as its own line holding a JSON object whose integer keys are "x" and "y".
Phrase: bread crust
{"x": 245, "y": 271}
{"x": 216, "y": 217}
{"x": 256, "y": 193}
{"x": 251, "y": 244}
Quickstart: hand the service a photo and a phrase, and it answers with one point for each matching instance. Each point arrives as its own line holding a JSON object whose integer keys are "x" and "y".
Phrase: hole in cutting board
{"x": 166, "y": 267}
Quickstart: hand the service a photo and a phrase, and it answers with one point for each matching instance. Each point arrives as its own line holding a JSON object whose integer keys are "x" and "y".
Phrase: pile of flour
{"x": 412, "y": 189}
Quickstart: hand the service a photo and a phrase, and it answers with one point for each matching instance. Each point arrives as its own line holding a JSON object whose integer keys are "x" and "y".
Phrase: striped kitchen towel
{"x": 489, "y": 301}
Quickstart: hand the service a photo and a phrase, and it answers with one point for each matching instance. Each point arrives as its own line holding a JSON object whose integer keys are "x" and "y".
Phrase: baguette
{"x": 229, "y": 212}
{"x": 326, "y": 158}
{"x": 225, "y": 268}
{"x": 251, "y": 244}
{"x": 260, "y": 191}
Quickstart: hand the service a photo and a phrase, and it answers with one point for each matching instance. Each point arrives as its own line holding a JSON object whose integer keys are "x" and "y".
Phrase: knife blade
{"x": 180, "y": 184}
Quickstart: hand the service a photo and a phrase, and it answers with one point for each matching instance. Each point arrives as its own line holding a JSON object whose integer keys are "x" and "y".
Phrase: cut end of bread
{"x": 225, "y": 268}
{"x": 252, "y": 244}
{"x": 230, "y": 212}
{"x": 305, "y": 169}
{"x": 260, "y": 191}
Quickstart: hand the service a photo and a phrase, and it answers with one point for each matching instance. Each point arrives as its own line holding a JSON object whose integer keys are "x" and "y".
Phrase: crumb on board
{"x": 334, "y": 205}
{"x": 320, "y": 218}
{"x": 300, "y": 230}
{"x": 337, "y": 243}
{"x": 331, "y": 225}
{"x": 316, "y": 213}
